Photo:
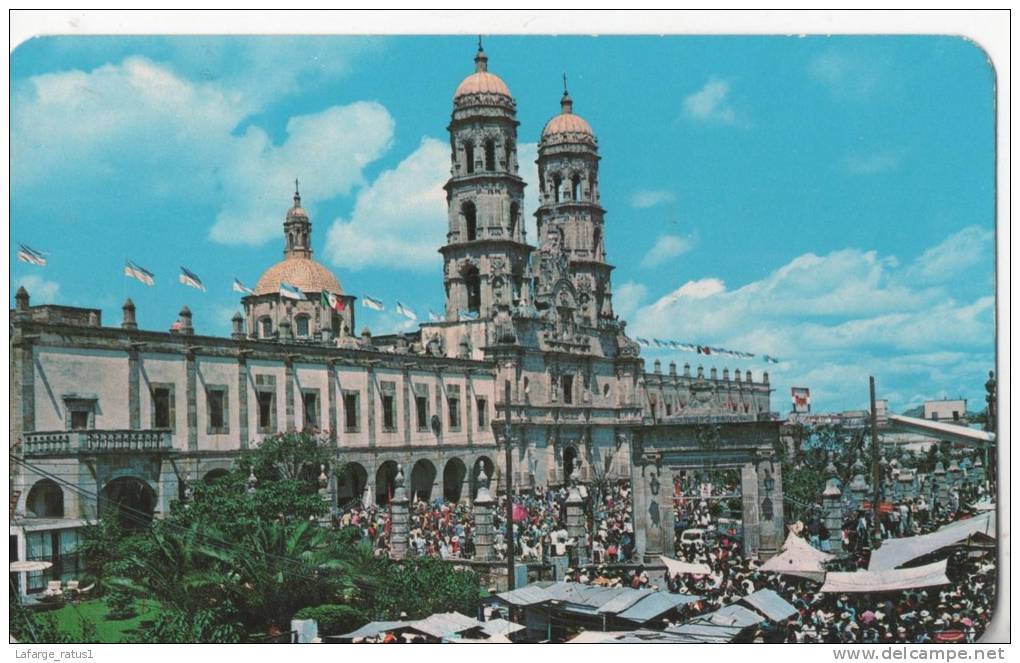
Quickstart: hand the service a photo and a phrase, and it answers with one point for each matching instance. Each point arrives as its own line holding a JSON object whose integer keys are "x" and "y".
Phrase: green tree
{"x": 421, "y": 586}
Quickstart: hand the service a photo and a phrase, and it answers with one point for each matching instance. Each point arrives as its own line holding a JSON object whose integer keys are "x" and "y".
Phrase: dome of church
{"x": 304, "y": 273}
{"x": 482, "y": 81}
{"x": 567, "y": 122}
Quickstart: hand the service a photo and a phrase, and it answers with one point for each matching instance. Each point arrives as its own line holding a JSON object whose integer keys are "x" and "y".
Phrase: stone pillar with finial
{"x": 482, "y": 508}
{"x": 575, "y": 518}
{"x": 129, "y": 321}
{"x": 21, "y": 301}
{"x": 941, "y": 487}
{"x": 325, "y": 494}
{"x": 832, "y": 504}
{"x": 400, "y": 521}
{"x": 237, "y": 327}
{"x": 184, "y": 322}
{"x": 252, "y": 482}
{"x": 858, "y": 486}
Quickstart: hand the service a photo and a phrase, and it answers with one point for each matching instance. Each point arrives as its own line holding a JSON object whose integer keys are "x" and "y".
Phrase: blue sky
{"x": 826, "y": 200}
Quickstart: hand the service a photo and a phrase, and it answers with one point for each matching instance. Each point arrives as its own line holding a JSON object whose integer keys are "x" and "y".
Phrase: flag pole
{"x": 509, "y": 495}
{"x": 876, "y": 468}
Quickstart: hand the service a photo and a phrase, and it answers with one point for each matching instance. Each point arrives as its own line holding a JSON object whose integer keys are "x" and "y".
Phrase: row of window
{"x": 265, "y": 394}
{"x": 302, "y": 326}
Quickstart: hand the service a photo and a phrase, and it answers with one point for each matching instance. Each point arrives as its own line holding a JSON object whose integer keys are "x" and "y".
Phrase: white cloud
{"x": 666, "y": 248}
{"x": 40, "y": 291}
{"x": 710, "y": 103}
{"x": 646, "y": 198}
{"x": 835, "y": 319}
{"x": 627, "y": 297}
{"x": 142, "y": 128}
{"x": 398, "y": 220}
{"x": 957, "y": 253}
{"x": 845, "y": 76}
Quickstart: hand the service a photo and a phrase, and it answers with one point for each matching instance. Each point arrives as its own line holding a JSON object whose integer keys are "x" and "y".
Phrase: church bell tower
{"x": 485, "y": 258}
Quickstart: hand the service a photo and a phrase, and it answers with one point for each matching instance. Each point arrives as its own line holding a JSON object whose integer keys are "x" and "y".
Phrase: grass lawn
{"x": 107, "y": 630}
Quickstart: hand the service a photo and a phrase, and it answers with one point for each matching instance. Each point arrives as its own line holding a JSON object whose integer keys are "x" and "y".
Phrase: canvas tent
{"x": 674, "y": 567}
{"x": 897, "y": 552}
{"x": 892, "y": 580}
{"x": 770, "y": 604}
{"x": 798, "y": 558}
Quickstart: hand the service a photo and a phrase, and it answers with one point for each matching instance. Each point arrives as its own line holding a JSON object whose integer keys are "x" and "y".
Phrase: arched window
{"x": 474, "y": 289}
{"x": 470, "y": 221}
{"x": 515, "y": 214}
{"x": 591, "y": 188}
{"x": 469, "y": 156}
{"x": 557, "y": 183}
{"x": 596, "y": 244}
{"x": 575, "y": 187}
{"x": 267, "y": 327}
{"x": 45, "y": 500}
{"x": 508, "y": 153}
{"x": 490, "y": 154}
{"x": 301, "y": 324}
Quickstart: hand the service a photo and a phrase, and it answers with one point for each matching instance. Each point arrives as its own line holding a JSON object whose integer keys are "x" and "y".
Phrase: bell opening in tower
{"x": 469, "y": 157}
{"x": 470, "y": 221}
{"x": 474, "y": 290}
{"x": 490, "y": 155}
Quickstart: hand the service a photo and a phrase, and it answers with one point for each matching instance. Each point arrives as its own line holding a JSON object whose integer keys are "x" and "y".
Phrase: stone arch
{"x": 423, "y": 476}
{"x": 515, "y": 217}
{"x": 131, "y": 500}
{"x": 454, "y": 474}
{"x": 353, "y": 480}
{"x": 481, "y": 463}
{"x": 214, "y": 474}
{"x": 302, "y": 325}
{"x": 265, "y": 326}
{"x": 490, "y": 154}
{"x": 45, "y": 500}
{"x": 473, "y": 284}
{"x": 385, "y": 478}
{"x": 469, "y": 156}
{"x": 575, "y": 187}
{"x": 557, "y": 182}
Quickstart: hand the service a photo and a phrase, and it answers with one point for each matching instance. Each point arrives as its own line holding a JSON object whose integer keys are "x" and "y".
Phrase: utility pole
{"x": 876, "y": 469}
{"x": 507, "y": 441}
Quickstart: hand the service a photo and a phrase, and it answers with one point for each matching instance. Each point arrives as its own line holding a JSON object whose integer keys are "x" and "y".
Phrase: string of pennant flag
{"x": 336, "y": 302}
{"x": 702, "y": 349}
{"x": 189, "y": 278}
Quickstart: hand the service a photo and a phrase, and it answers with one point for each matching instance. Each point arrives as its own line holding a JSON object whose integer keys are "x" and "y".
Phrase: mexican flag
{"x": 329, "y": 300}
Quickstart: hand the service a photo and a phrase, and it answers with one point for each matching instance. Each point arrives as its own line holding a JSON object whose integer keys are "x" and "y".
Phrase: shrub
{"x": 332, "y": 618}
{"x": 121, "y": 605}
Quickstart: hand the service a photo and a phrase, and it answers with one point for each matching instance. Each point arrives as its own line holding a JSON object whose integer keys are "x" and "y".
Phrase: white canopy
{"x": 798, "y": 558}
{"x": 675, "y": 566}
{"x": 897, "y": 552}
{"x": 893, "y": 580}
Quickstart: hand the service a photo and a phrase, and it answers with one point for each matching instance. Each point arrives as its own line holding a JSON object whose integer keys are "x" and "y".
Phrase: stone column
{"x": 483, "y": 520}
{"x": 858, "y": 492}
{"x": 749, "y": 494}
{"x": 400, "y": 524}
{"x": 954, "y": 474}
{"x": 191, "y": 374}
{"x": 576, "y": 529}
{"x": 941, "y": 487}
{"x": 242, "y": 400}
{"x": 832, "y": 503}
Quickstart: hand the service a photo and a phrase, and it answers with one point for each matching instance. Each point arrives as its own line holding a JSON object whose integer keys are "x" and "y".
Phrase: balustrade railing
{"x": 43, "y": 443}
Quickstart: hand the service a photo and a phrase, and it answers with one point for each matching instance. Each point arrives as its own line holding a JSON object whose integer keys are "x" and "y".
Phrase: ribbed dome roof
{"x": 482, "y": 81}
{"x": 306, "y": 274}
{"x": 567, "y": 121}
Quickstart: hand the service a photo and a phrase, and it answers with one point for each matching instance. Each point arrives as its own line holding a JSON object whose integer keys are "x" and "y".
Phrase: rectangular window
{"x": 163, "y": 406}
{"x": 351, "y": 415}
{"x": 79, "y": 420}
{"x": 568, "y": 389}
{"x": 453, "y": 406}
{"x": 267, "y": 411}
{"x": 216, "y": 402}
{"x": 483, "y": 413}
{"x": 421, "y": 404}
{"x": 389, "y": 415}
{"x": 310, "y": 408}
